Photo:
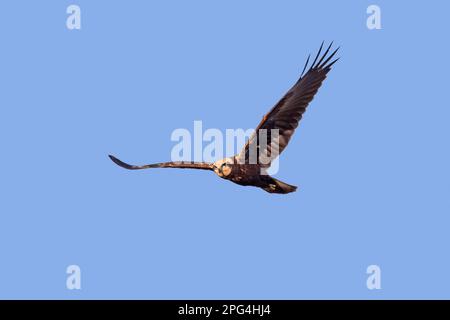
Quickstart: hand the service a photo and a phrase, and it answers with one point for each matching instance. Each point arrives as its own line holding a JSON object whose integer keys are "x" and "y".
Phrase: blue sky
{"x": 370, "y": 156}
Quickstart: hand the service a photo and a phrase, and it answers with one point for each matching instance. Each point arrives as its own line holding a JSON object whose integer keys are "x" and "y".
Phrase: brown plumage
{"x": 248, "y": 168}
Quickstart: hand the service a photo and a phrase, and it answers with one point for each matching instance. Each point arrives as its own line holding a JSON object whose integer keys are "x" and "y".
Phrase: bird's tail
{"x": 277, "y": 186}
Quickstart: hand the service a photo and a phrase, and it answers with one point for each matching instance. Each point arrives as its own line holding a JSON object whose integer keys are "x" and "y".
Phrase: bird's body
{"x": 248, "y": 168}
{"x": 250, "y": 175}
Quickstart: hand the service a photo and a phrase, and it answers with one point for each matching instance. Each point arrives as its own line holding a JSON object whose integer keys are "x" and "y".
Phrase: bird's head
{"x": 223, "y": 167}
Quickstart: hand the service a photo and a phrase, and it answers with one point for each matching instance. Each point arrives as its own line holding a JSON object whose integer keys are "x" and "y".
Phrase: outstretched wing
{"x": 181, "y": 165}
{"x": 286, "y": 114}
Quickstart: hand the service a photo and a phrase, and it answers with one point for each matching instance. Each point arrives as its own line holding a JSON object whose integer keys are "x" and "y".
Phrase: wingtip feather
{"x": 121, "y": 163}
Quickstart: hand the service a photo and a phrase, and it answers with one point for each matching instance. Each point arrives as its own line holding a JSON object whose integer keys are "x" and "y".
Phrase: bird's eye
{"x": 223, "y": 164}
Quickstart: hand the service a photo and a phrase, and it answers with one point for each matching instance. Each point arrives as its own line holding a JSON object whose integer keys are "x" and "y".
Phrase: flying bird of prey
{"x": 283, "y": 117}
